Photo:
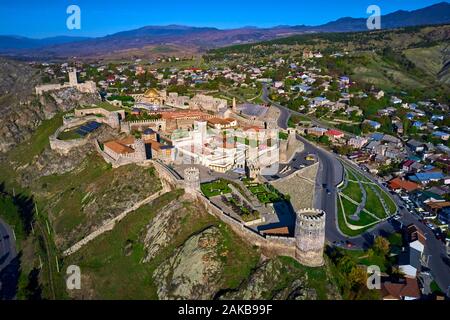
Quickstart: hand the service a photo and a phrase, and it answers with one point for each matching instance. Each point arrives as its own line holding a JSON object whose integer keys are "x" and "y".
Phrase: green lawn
{"x": 388, "y": 200}
{"x": 362, "y": 257}
{"x": 215, "y": 188}
{"x": 350, "y": 208}
{"x": 353, "y": 191}
{"x": 105, "y": 105}
{"x": 373, "y": 203}
{"x": 69, "y": 135}
{"x": 343, "y": 227}
{"x": 263, "y": 193}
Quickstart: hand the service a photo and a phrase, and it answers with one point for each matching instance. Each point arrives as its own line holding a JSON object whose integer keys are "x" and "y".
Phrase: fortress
{"x": 86, "y": 87}
{"x": 306, "y": 246}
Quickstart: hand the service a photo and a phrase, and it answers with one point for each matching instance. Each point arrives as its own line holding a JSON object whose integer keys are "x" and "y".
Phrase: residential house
{"x": 334, "y": 134}
{"x": 441, "y": 135}
{"x": 415, "y": 145}
{"x": 398, "y": 184}
{"x": 374, "y": 124}
{"x": 409, "y": 262}
{"x": 405, "y": 289}
{"x": 357, "y": 142}
{"x": 426, "y": 177}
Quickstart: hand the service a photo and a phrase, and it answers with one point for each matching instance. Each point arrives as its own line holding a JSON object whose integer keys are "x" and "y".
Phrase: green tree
{"x": 381, "y": 245}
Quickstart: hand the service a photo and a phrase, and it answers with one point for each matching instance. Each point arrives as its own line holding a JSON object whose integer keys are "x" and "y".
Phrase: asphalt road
{"x": 8, "y": 262}
{"x": 331, "y": 174}
{"x": 7, "y": 245}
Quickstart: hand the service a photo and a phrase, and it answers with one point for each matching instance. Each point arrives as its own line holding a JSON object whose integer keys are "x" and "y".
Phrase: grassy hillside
{"x": 113, "y": 267}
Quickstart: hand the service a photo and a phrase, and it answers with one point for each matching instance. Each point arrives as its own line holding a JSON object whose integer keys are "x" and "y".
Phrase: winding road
{"x": 331, "y": 174}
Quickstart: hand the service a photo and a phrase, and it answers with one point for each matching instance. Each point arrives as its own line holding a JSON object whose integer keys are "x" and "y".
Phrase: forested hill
{"x": 402, "y": 38}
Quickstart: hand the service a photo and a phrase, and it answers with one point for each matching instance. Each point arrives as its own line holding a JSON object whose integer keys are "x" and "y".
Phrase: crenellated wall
{"x": 304, "y": 247}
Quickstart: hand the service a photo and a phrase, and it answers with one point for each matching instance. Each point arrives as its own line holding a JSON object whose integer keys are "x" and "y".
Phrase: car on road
{"x": 429, "y": 225}
{"x": 349, "y": 244}
{"x": 339, "y": 243}
{"x": 328, "y": 191}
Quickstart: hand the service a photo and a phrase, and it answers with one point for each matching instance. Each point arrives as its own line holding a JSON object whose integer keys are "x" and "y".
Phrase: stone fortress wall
{"x": 64, "y": 146}
{"x": 157, "y": 125}
{"x": 306, "y": 246}
{"x": 82, "y": 116}
{"x": 86, "y": 87}
{"x": 300, "y": 186}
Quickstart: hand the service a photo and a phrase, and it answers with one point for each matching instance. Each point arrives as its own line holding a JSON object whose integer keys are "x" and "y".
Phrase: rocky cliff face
{"x": 265, "y": 281}
{"x": 21, "y": 110}
{"x": 193, "y": 270}
{"x": 50, "y": 162}
{"x": 282, "y": 278}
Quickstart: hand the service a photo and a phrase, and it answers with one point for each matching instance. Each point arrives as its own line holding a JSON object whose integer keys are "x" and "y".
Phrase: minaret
{"x": 234, "y": 105}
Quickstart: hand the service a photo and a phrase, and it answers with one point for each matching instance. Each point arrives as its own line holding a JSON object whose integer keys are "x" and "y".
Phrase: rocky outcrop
{"x": 21, "y": 110}
{"x": 50, "y": 162}
{"x": 163, "y": 229}
{"x": 193, "y": 270}
{"x": 269, "y": 282}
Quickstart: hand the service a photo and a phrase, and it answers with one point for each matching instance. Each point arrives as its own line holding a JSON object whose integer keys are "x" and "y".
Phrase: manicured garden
{"x": 242, "y": 209}
{"x": 215, "y": 188}
{"x": 265, "y": 193}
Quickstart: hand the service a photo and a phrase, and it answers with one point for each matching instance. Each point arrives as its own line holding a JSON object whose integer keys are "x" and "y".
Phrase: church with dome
{"x": 152, "y": 96}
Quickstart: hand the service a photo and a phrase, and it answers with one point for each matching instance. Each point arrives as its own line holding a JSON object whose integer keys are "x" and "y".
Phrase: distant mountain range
{"x": 174, "y": 38}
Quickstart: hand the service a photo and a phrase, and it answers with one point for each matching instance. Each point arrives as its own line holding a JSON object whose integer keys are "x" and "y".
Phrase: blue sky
{"x": 42, "y": 18}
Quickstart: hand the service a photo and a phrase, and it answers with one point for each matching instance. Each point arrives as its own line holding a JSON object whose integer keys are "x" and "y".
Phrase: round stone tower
{"x": 310, "y": 237}
{"x": 113, "y": 120}
{"x": 139, "y": 150}
{"x": 192, "y": 180}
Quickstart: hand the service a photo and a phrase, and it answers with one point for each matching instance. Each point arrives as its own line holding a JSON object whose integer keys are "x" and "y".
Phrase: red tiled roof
{"x": 118, "y": 147}
{"x": 334, "y": 133}
{"x": 127, "y": 141}
{"x": 398, "y": 291}
{"x": 398, "y": 183}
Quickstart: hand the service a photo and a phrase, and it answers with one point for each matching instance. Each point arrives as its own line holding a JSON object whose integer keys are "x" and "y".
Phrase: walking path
{"x": 109, "y": 225}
